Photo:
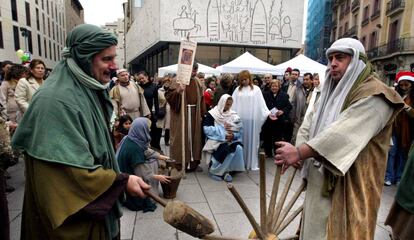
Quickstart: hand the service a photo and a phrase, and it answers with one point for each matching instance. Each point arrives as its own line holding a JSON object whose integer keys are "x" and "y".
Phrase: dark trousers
{"x": 288, "y": 131}
{"x": 167, "y": 136}
{"x": 273, "y": 131}
{"x": 4, "y": 211}
{"x": 155, "y": 136}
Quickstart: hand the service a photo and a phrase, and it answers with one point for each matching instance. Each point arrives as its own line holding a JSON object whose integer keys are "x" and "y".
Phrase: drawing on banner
{"x": 235, "y": 17}
{"x": 279, "y": 22}
{"x": 187, "y": 21}
{"x": 213, "y": 20}
{"x": 258, "y": 31}
{"x": 238, "y": 21}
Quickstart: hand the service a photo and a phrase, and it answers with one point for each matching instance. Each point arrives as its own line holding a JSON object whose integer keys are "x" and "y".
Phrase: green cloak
{"x": 68, "y": 119}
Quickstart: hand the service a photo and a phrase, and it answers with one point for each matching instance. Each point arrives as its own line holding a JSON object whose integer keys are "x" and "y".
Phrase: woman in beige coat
{"x": 28, "y": 86}
{"x": 8, "y": 88}
{"x": 163, "y": 122}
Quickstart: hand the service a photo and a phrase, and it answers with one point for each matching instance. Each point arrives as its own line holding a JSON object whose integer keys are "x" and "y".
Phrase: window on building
{"x": 37, "y": 20}
{"x": 50, "y": 50}
{"x": 278, "y": 56}
{"x": 16, "y": 38}
{"x": 39, "y": 45}
{"x": 394, "y": 31}
{"x": 1, "y": 36}
{"x": 165, "y": 57}
{"x": 260, "y": 53}
{"x": 333, "y": 35}
{"x": 54, "y": 51}
{"x": 173, "y": 53}
{"x": 366, "y": 13}
{"x": 44, "y": 23}
{"x": 43, "y": 4}
{"x": 51, "y": 10}
{"x": 346, "y": 27}
{"x": 209, "y": 54}
{"x": 373, "y": 40}
{"x": 37, "y": 1}
{"x": 27, "y": 7}
{"x": 47, "y": 6}
{"x": 340, "y": 32}
{"x": 355, "y": 19}
{"x": 29, "y": 41}
{"x": 364, "y": 41}
{"x": 376, "y": 6}
{"x": 14, "y": 10}
{"x": 44, "y": 44}
{"x": 48, "y": 27}
{"x": 56, "y": 14}
{"x": 230, "y": 53}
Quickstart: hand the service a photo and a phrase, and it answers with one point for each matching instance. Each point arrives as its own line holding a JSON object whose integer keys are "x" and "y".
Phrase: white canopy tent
{"x": 201, "y": 68}
{"x": 304, "y": 64}
{"x": 247, "y": 62}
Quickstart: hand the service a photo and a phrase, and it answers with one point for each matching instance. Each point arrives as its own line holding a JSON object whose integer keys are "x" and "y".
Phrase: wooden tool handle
{"x": 262, "y": 166}
{"x": 156, "y": 198}
{"x": 246, "y": 211}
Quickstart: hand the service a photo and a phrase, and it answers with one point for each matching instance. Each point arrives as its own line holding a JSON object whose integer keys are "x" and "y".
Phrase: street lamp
{"x": 25, "y": 34}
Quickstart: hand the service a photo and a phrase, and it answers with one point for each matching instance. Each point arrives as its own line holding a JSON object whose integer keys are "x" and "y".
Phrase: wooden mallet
{"x": 183, "y": 217}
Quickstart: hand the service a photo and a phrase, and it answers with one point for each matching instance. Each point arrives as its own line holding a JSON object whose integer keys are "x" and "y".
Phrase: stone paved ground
{"x": 209, "y": 197}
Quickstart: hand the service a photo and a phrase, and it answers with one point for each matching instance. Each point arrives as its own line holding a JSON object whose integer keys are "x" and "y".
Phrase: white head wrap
{"x": 333, "y": 93}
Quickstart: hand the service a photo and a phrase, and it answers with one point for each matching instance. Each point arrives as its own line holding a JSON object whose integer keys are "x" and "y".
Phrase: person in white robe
{"x": 249, "y": 103}
{"x": 342, "y": 147}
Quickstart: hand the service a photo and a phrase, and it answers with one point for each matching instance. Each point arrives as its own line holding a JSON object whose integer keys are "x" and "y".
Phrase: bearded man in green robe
{"x": 73, "y": 184}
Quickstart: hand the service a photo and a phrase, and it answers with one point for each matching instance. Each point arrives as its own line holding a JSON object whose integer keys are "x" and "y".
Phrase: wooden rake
{"x": 275, "y": 219}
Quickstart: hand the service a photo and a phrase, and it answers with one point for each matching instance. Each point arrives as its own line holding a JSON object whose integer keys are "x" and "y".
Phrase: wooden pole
{"x": 262, "y": 166}
{"x": 273, "y": 197}
{"x": 282, "y": 199}
{"x": 290, "y": 204}
{"x": 246, "y": 211}
{"x": 183, "y": 132}
{"x": 289, "y": 220}
{"x": 216, "y": 237}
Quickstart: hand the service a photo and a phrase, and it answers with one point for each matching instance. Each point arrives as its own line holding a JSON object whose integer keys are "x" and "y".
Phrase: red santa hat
{"x": 408, "y": 76}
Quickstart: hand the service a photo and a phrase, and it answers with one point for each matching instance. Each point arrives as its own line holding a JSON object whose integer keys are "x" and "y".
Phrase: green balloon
{"x": 25, "y": 58}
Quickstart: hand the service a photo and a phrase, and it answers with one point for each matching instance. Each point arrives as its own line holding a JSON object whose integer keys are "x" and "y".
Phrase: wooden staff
{"x": 290, "y": 204}
{"x": 263, "y": 222}
{"x": 282, "y": 199}
{"x": 183, "y": 132}
{"x": 215, "y": 237}
{"x": 289, "y": 220}
{"x": 273, "y": 197}
{"x": 246, "y": 211}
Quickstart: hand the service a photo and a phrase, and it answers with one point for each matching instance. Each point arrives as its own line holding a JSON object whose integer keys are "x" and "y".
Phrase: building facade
{"x": 37, "y": 26}
{"x": 385, "y": 28}
{"x": 318, "y": 29}
{"x": 74, "y": 14}
{"x": 223, "y": 29}
{"x": 117, "y": 28}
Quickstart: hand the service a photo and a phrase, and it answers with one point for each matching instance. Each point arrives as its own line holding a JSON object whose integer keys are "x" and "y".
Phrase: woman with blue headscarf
{"x": 131, "y": 159}
{"x": 73, "y": 183}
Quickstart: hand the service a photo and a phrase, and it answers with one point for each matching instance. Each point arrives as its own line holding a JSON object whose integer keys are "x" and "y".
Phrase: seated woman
{"x": 131, "y": 156}
{"x": 223, "y": 150}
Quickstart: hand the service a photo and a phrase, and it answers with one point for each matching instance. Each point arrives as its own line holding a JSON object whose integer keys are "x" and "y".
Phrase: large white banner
{"x": 274, "y": 23}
